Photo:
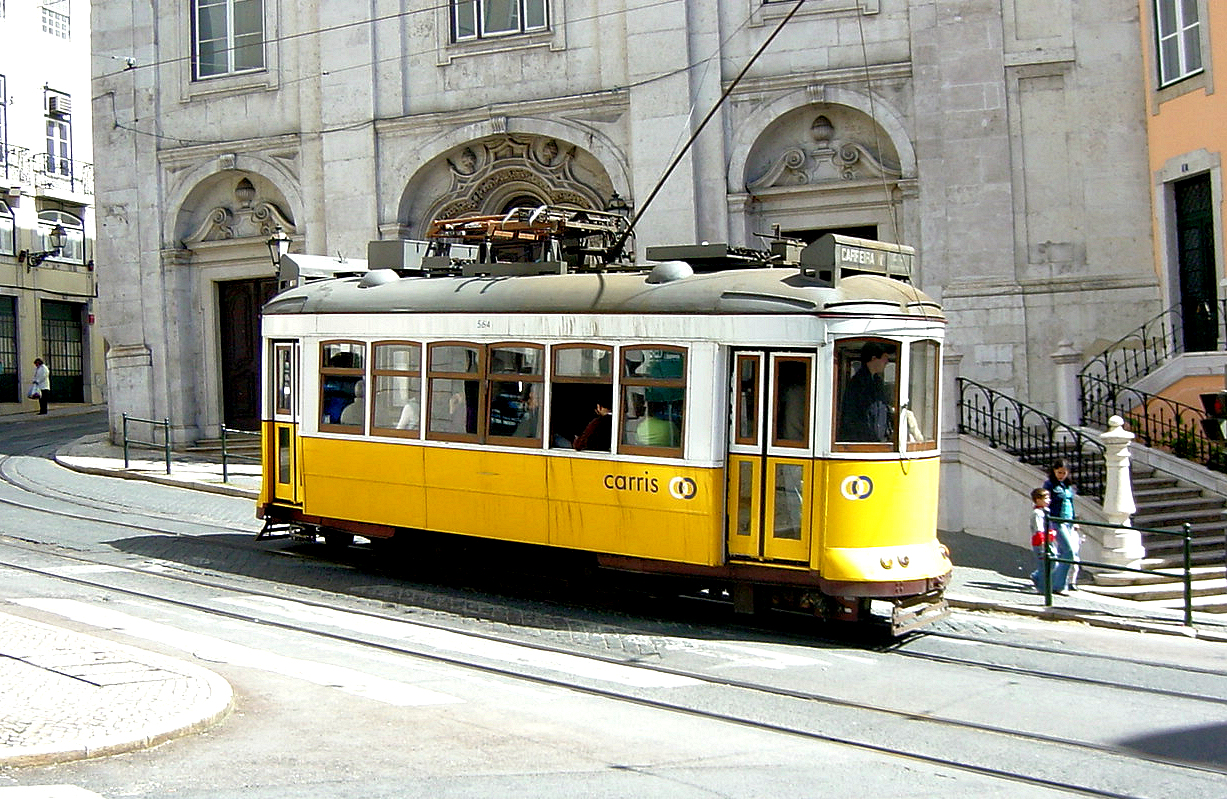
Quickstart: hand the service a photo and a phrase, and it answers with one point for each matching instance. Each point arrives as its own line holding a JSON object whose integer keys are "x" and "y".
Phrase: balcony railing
{"x": 16, "y": 166}
{"x": 51, "y": 170}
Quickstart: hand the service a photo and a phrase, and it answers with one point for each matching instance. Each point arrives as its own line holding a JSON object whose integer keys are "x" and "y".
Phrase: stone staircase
{"x": 1165, "y": 503}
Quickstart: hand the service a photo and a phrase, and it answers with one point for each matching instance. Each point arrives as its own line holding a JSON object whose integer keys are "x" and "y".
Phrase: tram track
{"x": 783, "y": 699}
{"x": 762, "y": 694}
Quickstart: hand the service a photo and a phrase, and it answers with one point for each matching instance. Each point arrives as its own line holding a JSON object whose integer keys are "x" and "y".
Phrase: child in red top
{"x": 1042, "y": 534}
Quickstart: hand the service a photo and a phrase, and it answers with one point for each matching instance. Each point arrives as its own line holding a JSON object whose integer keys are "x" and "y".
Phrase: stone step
{"x": 1116, "y": 579}
{"x": 1206, "y": 592}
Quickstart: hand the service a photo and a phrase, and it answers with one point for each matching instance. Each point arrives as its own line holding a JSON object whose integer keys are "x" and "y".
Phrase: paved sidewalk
{"x": 69, "y": 696}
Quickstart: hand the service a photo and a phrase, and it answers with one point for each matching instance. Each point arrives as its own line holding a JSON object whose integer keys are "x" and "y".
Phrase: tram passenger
{"x": 865, "y": 410}
{"x": 595, "y": 435}
{"x": 657, "y": 429}
{"x": 353, "y": 413}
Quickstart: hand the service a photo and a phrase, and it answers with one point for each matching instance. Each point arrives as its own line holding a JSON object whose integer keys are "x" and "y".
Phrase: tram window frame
{"x": 843, "y": 373}
{"x": 929, "y": 395}
{"x": 389, "y": 379}
{"x": 530, "y": 384}
{"x": 477, "y": 403}
{"x": 632, "y": 386}
{"x": 354, "y": 376}
{"x": 778, "y": 418}
{"x": 575, "y": 395}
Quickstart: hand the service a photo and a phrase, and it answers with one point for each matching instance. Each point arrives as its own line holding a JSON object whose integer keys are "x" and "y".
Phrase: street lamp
{"x": 278, "y": 245}
{"x": 57, "y": 238}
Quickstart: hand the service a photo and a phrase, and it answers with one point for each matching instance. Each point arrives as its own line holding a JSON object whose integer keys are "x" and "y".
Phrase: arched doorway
{"x": 232, "y": 216}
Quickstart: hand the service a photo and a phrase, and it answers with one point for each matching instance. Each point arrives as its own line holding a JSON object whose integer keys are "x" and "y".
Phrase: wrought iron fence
{"x": 1156, "y": 421}
{"x": 1031, "y": 435}
{"x": 1145, "y": 349}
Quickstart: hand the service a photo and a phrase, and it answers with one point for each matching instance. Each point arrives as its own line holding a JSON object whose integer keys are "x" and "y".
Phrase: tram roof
{"x": 669, "y": 288}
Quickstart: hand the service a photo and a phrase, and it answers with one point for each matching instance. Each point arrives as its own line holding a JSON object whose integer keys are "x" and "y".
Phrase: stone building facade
{"x": 48, "y": 283}
{"x": 1004, "y": 139}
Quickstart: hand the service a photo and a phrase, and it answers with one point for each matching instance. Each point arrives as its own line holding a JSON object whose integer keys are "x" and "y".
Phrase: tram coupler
{"x": 917, "y": 611}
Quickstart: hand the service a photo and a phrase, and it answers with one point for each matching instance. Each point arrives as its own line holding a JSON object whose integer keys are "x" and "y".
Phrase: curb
{"x": 1092, "y": 619}
{"x": 196, "y": 717}
{"x": 169, "y": 480}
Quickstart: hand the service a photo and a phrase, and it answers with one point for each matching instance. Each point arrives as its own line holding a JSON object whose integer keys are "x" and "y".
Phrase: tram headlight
{"x": 886, "y": 562}
{"x": 904, "y": 560}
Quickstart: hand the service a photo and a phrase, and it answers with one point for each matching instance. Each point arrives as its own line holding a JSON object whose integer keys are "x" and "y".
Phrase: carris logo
{"x": 856, "y": 487}
{"x": 683, "y": 488}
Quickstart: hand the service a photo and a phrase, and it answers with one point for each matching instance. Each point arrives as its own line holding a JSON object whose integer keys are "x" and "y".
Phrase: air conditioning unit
{"x": 59, "y": 105}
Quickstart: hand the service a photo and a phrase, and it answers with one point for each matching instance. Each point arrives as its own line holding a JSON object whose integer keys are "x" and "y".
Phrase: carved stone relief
{"x": 812, "y": 147}
{"x": 232, "y": 207}
{"x": 483, "y": 176}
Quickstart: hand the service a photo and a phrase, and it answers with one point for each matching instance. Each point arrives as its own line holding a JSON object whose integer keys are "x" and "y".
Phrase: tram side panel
{"x": 668, "y": 513}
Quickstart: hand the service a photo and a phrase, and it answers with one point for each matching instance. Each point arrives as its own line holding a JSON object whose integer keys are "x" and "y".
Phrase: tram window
{"x": 581, "y": 398}
{"x": 866, "y": 384}
{"x": 455, "y": 391}
{"x": 920, "y": 415}
{"x": 342, "y": 369}
{"x": 792, "y": 402}
{"x": 396, "y": 374}
{"x": 515, "y": 379}
{"x": 747, "y": 399}
{"x": 653, "y": 400}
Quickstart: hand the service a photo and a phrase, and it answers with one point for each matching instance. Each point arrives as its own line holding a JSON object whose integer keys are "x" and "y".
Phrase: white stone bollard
{"x": 1121, "y": 547}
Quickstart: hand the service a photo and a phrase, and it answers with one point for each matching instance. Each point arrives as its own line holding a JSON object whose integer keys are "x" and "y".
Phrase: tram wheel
{"x": 337, "y": 540}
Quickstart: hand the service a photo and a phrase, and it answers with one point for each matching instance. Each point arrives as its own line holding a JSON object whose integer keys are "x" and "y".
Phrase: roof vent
{"x": 378, "y": 277}
{"x": 670, "y": 271}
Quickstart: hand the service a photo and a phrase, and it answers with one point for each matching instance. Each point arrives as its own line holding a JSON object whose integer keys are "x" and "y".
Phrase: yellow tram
{"x": 767, "y": 425}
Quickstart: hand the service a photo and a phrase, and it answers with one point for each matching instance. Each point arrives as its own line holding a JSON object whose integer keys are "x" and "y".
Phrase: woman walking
{"x": 1061, "y": 505}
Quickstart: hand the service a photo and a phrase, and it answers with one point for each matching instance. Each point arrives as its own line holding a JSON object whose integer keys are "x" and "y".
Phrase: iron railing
{"x": 77, "y": 175}
{"x": 1145, "y": 349}
{"x": 1186, "y": 575}
{"x": 230, "y": 437}
{"x": 1031, "y": 435}
{"x": 154, "y": 426}
{"x": 1156, "y": 421}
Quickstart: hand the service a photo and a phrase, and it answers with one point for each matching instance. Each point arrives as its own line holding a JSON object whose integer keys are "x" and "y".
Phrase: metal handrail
{"x": 227, "y": 455}
{"x": 1156, "y": 421}
{"x": 164, "y": 424}
{"x": 1031, "y": 435}
{"x": 1152, "y": 344}
{"x": 1186, "y": 534}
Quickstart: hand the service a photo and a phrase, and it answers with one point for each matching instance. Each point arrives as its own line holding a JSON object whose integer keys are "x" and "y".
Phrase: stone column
{"x": 1118, "y": 547}
{"x": 951, "y": 365}
{"x": 1068, "y": 360}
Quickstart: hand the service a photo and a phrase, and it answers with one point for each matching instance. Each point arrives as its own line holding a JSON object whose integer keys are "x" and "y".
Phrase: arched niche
{"x": 231, "y": 205}
{"x": 826, "y": 167}
{"x": 492, "y": 174}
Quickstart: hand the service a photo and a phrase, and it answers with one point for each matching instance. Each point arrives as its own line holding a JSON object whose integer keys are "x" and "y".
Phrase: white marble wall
{"x": 1008, "y": 137}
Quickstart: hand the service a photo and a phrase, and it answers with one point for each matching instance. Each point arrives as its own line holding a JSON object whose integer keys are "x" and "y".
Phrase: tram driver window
{"x": 868, "y": 393}
{"x": 920, "y": 412}
{"x": 581, "y": 398}
{"x": 653, "y": 400}
{"x": 342, "y": 395}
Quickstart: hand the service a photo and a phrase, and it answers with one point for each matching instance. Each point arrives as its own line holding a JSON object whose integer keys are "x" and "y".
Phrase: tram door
{"x": 284, "y": 401}
{"x": 770, "y": 464}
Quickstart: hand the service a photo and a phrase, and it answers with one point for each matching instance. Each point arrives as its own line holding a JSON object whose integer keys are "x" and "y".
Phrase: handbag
{"x": 34, "y": 392}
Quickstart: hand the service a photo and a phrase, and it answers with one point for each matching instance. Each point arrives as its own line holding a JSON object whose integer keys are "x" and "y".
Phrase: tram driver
{"x": 865, "y": 407}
